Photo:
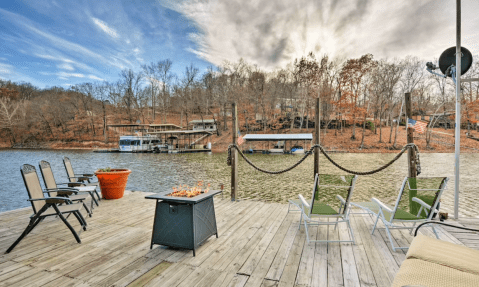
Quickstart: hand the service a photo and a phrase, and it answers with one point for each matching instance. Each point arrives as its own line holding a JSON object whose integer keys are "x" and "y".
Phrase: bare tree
{"x": 8, "y": 109}
{"x": 131, "y": 84}
{"x": 188, "y": 82}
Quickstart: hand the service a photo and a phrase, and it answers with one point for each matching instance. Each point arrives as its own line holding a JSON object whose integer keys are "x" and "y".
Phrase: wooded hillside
{"x": 363, "y": 93}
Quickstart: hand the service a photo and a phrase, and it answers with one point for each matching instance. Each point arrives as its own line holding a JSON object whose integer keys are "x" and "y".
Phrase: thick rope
{"x": 310, "y": 151}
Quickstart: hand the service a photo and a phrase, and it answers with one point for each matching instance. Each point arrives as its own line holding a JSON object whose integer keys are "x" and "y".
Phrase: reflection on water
{"x": 159, "y": 172}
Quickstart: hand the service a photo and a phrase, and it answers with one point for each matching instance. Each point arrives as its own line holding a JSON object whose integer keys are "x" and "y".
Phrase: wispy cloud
{"x": 105, "y": 28}
{"x": 66, "y": 66}
{"x": 70, "y": 75}
{"x": 5, "y": 69}
{"x": 93, "y": 77}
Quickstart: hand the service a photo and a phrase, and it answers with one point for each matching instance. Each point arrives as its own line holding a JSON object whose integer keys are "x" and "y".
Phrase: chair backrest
{"x": 32, "y": 183}
{"x": 328, "y": 186}
{"x": 47, "y": 175}
{"x": 427, "y": 189}
{"x": 69, "y": 168}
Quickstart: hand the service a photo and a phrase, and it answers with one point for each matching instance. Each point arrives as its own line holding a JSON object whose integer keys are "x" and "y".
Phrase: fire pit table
{"x": 184, "y": 222}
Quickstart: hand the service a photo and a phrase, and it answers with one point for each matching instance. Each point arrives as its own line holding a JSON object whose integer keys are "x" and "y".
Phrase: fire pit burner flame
{"x": 184, "y": 190}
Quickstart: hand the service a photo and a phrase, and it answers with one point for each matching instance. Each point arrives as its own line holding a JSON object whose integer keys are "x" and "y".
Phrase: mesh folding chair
{"x": 46, "y": 206}
{"x": 418, "y": 201}
{"x": 83, "y": 179}
{"x": 330, "y": 199}
{"x": 70, "y": 192}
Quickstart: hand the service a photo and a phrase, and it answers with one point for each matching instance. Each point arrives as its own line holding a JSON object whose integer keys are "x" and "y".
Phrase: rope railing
{"x": 310, "y": 151}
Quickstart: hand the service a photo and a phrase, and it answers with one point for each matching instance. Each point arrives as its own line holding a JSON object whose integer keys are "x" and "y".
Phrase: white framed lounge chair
{"x": 417, "y": 202}
{"x": 330, "y": 200}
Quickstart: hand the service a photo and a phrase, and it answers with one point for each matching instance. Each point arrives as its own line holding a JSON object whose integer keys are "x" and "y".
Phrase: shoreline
{"x": 331, "y": 140}
{"x": 213, "y": 150}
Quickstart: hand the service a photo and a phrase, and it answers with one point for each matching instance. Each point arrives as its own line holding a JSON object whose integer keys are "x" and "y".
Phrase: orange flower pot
{"x": 113, "y": 183}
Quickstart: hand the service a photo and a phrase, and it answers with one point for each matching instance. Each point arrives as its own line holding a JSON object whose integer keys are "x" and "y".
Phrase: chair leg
{"x": 390, "y": 238}
{"x": 412, "y": 228}
{"x": 336, "y": 225}
{"x": 80, "y": 219}
{"x": 86, "y": 208}
{"x": 94, "y": 199}
{"x": 300, "y": 220}
{"x": 306, "y": 229}
{"x": 376, "y": 223}
{"x": 67, "y": 224}
{"x": 33, "y": 222}
{"x": 435, "y": 232}
{"x": 351, "y": 232}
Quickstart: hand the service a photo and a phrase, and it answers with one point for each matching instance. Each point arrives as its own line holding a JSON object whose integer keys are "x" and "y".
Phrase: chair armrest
{"x": 85, "y": 174}
{"x": 381, "y": 205}
{"x": 303, "y": 201}
{"x": 442, "y": 223}
{"x": 62, "y": 191}
{"x": 52, "y": 199}
{"x": 65, "y": 183}
{"x": 66, "y": 189}
{"x": 80, "y": 177}
{"x": 74, "y": 184}
{"x": 341, "y": 199}
{"x": 425, "y": 205}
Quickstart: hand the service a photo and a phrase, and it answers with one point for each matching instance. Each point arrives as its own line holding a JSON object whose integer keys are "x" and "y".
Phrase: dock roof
{"x": 206, "y": 121}
{"x": 182, "y": 132}
{"x": 277, "y": 137}
{"x": 165, "y": 125}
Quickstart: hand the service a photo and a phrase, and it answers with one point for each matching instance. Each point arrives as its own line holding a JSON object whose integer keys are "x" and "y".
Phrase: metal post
{"x": 234, "y": 153}
{"x": 317, "y": 128}
{"x": 457, "y": 143}
{"x": 411, "y": 155}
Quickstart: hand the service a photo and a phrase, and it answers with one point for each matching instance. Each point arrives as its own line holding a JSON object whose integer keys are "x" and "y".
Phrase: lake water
{"x": 159, "y": 172}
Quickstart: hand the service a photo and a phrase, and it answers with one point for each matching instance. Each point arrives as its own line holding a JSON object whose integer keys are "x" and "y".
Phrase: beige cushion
{"x": 416, "y": 272}
{"x": 444, "y": 253}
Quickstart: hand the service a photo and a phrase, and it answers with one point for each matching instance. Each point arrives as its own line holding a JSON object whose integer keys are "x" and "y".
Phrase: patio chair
{"x": 72, "y": 193}
{"x": 417, "y": 202}
{"x": 83, "y": 179}
{"x": 46, "y": 206}
{"x": 330, "y": 200}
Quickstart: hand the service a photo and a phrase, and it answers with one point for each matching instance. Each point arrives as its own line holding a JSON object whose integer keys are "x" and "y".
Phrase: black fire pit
{"x": 184, "y": 222}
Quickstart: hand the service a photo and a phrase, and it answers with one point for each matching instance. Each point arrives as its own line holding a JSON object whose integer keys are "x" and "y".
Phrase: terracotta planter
{"x": 113, "y": 183}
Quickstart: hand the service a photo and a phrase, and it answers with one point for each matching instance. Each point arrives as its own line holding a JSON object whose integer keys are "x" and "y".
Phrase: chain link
{"x": 310, "y": 151}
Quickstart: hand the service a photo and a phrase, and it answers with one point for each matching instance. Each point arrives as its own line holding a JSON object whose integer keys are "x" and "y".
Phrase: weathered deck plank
{"x": 259, "y": 245}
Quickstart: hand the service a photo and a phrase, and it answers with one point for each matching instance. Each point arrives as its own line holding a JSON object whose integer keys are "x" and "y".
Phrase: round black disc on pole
{"x": 448, "y": 58}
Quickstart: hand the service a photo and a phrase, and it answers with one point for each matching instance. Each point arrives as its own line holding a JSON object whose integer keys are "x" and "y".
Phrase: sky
{"x": 66, "y": 42}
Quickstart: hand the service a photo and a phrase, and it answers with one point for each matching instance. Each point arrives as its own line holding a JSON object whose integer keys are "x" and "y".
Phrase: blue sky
{"x": 66, "y": 42}
{"x": 60, "y": 43}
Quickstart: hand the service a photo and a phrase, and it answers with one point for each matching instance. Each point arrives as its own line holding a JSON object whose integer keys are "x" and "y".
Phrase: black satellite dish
{"x": 448, "y": 58}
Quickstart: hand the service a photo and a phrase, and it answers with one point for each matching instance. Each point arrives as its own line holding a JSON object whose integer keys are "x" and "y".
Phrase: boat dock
{"x": 259, "y": 244}
{"x": 154, "y": 151}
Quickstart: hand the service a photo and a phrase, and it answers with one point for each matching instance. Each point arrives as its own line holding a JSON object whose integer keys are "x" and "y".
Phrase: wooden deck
{"x": 259, "y": 244}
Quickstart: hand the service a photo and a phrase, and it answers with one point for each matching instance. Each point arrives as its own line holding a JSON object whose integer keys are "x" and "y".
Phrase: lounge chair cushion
{"x": 445, "y": 253}
{"x": 323, "y": 209}
{"x": 402, "y": 215}
{"x": 416, "y": 272}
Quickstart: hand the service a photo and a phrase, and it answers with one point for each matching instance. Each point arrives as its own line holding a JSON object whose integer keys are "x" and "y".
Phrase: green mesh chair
{"x": 417, "y": 202}
{"x": 330, "y": 200}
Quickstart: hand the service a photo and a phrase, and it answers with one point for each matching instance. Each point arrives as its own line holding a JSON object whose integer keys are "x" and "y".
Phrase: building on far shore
{"x": 203, "y": 125}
